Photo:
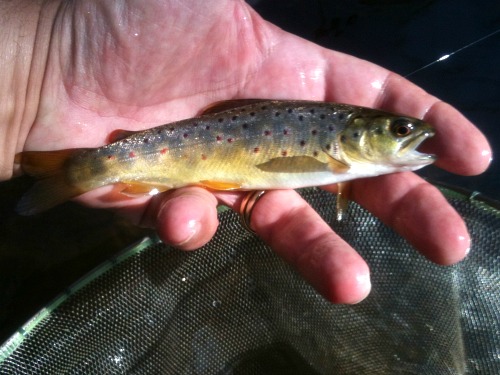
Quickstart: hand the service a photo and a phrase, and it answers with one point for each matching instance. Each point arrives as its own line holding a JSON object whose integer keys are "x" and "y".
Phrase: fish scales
{"x": 227, "y": 148}
{"x": 262, "y": 145}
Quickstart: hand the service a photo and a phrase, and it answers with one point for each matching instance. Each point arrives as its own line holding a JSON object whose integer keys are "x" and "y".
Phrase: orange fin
{"x": 220, "y": 185}
{"x": 119, "y": 134}
{"x": 52, "y": 187}
{"x": 134, "y": 189}
{"x": 293, "y": 164}
{"x": 225, "y": 105}
{"x": 344, "y": 190}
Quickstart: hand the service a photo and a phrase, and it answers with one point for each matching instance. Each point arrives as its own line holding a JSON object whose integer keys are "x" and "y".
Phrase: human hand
{"x": 137, "y": 64}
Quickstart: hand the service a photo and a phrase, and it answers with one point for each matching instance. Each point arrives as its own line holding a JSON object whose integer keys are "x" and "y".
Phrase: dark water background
{"x": 406, "y": 35}
{"x": 40, "y": 256}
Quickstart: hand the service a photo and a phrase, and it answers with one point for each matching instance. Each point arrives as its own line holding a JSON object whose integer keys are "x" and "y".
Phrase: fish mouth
{"x": 408, "y": 153}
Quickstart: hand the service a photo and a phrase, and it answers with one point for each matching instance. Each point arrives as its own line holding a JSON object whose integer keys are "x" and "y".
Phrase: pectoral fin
{"x": 134, "y": 189}
{"x": 293, "y": 164}
{"x": 344, "y": 189}
{"x": 336, "y": 165}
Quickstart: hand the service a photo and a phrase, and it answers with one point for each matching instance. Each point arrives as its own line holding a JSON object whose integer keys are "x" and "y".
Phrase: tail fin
{"x": 51, "y": 187}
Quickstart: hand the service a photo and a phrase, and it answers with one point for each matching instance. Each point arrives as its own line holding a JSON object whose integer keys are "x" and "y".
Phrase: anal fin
{"x": 220, "y": 185}
{"x": 134, "y": 189}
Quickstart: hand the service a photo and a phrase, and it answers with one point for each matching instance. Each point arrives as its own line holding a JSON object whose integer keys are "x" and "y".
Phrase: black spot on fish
{"x": 267, "y": 132}
{"x": 328, "y": 147}
{"x": 263, "y": 107}
{"x": 171, "y": 129}
{"x": 343, "y": 139}
{"x": 302, "y": 143}
{"x": 252, "y": 113}
{"x": 314, "y": 132}
{"x": 146, "y": 140}
{"x": 124, "y": 140}
{"x": 355, "y": 134}
{"x": 315, "y": 153}
{"x": 220, "y": 120}
{"x": 277, "y": 114}
{"x": 331, "y": 128}
{"x": 159, "y": 131}
{"x": 234, "y": 118}
{"x": 286, "y": 131}
{"x": 341, "y": 116}
{"x": 312, "y": 111}
{"x": 195, "y": 124}
{"x": 322, "y": 116}
{"x": 244, "y": 126}
{"x": 289, "y": 110}
{"x": 185, "y": 135}
{"x": 207, "y": 127}
{"x": 301, "y": 118}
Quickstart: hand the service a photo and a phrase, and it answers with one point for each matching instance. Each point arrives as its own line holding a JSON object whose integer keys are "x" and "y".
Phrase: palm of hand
{"x": 142, "y": 64}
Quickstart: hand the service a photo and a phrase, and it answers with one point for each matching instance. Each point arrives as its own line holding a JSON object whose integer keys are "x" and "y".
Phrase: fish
{"x": 245, "y": 144}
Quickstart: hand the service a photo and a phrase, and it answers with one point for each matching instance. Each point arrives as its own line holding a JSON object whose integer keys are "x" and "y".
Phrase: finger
{"x": 185, "y": 218}
{"x": 419, "y": 212}
{"x": 298, "y": 234}
{"x": 461, "y": 148}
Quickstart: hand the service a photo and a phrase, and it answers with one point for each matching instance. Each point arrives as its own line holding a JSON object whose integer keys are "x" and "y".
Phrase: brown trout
{"x": 240, "y": 144}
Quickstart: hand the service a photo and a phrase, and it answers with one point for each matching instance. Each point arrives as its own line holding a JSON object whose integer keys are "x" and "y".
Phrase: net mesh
{"x": 236, "y": 308}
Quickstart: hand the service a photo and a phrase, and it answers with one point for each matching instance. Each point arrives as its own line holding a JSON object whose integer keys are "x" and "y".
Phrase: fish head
{"x": 388, "y": 141}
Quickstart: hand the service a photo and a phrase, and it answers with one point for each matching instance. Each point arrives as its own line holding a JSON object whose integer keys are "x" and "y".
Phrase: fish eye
{"x": 401, "y": 128}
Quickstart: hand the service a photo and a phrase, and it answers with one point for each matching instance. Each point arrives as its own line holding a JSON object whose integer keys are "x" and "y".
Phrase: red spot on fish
{"x": 203, "y": 157}
{"x": 219, "y": 138}
{"x": 131, "y": 154}
{"x": 267, "y": 132}
{"x": 230, "y": 140}
{"x": 111, "y": 157}
{"x": 284, "y": 153}
{"x": 185, "y": 135}
{"x": 256, "y": 150}
{"x": 286, "y": 131}
{"x": 163, "y": 151}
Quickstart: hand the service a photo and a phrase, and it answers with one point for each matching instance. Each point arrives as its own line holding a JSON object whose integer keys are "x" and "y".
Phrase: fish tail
{"x": 51, "y": 187}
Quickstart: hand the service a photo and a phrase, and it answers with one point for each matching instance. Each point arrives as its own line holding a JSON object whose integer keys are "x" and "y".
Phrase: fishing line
{"x": 445, "y": 57}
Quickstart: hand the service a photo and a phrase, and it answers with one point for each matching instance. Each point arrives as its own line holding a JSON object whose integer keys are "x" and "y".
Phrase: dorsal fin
{"x": 224, "y": 105}
{"x": 119, "y": 134}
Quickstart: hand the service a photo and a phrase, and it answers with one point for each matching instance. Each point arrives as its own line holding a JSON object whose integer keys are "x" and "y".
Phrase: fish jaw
{"x": 408, "y": 158}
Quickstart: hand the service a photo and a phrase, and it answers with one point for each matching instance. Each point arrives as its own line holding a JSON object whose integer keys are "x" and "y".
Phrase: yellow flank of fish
{"x": 240, "y": 144}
